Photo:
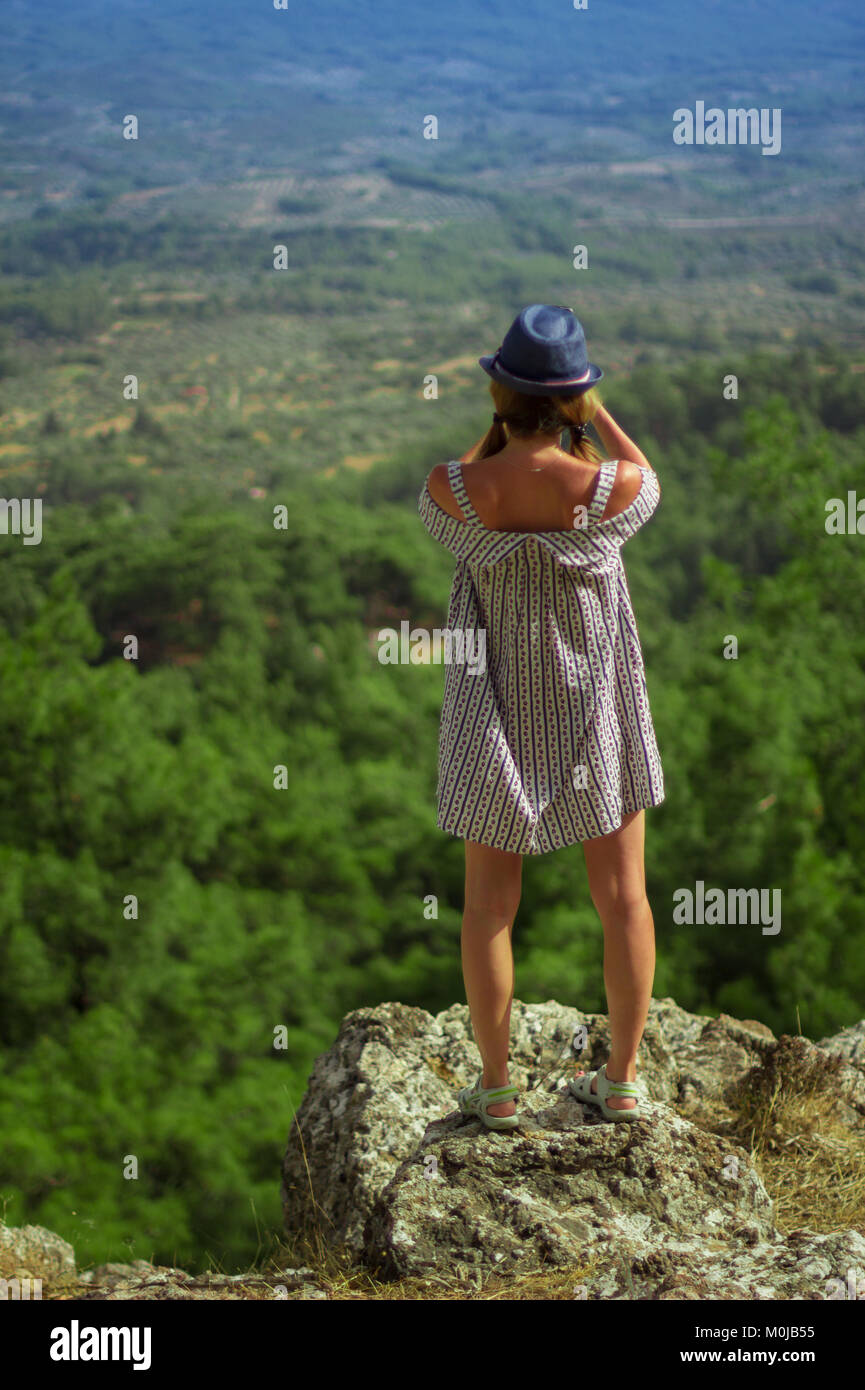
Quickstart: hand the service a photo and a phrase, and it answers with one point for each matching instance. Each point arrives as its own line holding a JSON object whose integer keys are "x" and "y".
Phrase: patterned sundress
{"x": 549, "y": 740}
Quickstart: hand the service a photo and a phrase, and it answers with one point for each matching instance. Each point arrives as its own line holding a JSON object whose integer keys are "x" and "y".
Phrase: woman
{"x": 552, "y": 742}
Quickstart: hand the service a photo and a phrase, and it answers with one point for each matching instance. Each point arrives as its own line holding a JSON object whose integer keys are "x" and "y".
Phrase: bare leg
{"x": 617, "y": 883}
{"x": 492, "y": 896}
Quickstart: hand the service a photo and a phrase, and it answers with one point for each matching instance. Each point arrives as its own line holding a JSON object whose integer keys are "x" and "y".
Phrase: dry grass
{"x": 787, "y": 1116}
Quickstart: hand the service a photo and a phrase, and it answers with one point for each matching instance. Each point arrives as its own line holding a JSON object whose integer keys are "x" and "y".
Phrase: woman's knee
{"x": 620, "y": 901}
{"x": 493, "y": 903}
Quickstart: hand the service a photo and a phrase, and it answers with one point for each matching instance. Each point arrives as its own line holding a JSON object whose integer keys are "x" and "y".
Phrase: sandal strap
{"x": 617, "y": 1088}
{"x": 496, "y": 1095}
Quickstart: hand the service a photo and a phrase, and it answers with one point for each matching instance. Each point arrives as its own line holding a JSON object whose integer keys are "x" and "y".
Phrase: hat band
{"x": 548, "y": 380}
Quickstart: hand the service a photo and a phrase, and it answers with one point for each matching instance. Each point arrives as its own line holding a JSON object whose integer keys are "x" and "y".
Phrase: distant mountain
{"x": 222, "y": 86}
{"x": 542, "y": 40}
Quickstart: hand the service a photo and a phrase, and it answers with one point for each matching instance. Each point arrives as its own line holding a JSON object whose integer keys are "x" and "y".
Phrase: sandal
{"x": 473, "y": 1100}
{"x": 581, "y": 1087}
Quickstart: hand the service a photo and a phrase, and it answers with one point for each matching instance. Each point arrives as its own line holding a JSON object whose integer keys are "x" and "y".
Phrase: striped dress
{"x": 550, "y": 739}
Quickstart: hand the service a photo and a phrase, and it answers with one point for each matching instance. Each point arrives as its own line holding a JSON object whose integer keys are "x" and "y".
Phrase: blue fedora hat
{"x": 543, "y": 353}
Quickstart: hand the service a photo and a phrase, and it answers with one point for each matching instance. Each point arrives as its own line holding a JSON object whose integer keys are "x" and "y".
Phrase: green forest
{"x": 167, "y": 906}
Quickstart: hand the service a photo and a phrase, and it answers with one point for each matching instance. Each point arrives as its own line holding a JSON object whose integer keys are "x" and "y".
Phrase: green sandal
{"x": 473, "y": 1100}
{"x": 581, "y": 1087}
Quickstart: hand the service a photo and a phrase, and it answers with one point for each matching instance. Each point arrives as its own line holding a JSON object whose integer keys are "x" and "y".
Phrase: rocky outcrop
{"x": 393, "y": 1069}
{"x": 379, "y": 1161}
{"x": 29, "y": 1253}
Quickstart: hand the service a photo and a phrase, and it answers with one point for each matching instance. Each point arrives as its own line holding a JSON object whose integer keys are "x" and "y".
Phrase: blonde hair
{"x": 526, "y": 415}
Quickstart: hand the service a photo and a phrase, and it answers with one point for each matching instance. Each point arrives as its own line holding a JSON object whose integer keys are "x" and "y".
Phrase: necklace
{"x": 522, "y": 469}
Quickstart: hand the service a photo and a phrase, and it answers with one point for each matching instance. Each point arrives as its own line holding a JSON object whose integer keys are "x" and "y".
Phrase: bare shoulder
{"x": 439, "y": 486}
{"x": 626, "y": 486}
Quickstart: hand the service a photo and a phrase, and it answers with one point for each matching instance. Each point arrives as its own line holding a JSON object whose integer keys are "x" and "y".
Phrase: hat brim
{"x": 529, "y": 387}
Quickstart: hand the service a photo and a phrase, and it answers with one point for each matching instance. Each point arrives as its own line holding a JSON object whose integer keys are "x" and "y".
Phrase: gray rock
{"x": 711, "y": 1065}
{"x": 139, "y": 1271}
{"x": 849, "y": 1043}
{"x": 565, "y": 1187}
{"x": 393, "y": 1068}
{"x": 663, "y": 1208}
{"x": 804, "y": 1266}
{"x": 295, "y": 1277}
{"x": 144, "y": 1282}
{"x": 41, "y": 1253}
{"x": 113, "y": 1272}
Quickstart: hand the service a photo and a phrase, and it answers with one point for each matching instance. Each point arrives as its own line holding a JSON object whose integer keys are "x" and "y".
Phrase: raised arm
{"x": 617, "y": 444}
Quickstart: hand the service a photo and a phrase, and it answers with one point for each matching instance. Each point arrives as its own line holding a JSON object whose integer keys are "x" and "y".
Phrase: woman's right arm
{"x": 628, "y": 479}
{"x": 615, "y": 441}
